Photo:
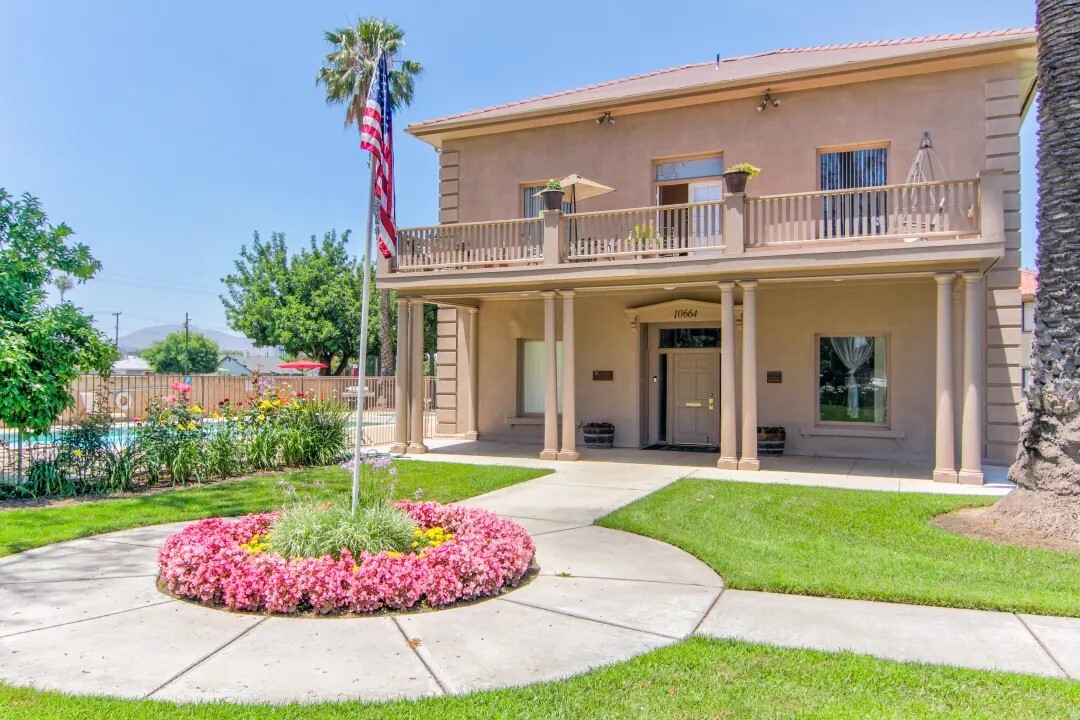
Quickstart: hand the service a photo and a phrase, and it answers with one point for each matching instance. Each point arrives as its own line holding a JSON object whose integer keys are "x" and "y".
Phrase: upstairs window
{"x": 692, "y": 169}
{"x": 856, "y": 213}
{"x": 531, "y": 206}
{"x": 1029, "y": 316}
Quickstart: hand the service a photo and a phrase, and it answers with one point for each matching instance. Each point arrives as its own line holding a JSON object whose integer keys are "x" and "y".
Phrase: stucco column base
{"x": 472, "y": 435}
{"x": 398, "y": 449}
{"x": 549, "y": 454}
{"x": 750, "y": 464}
{"x": 727, "y": 464}
{"x": 569, "y": 455}
{"x": 415, "y": 449}
{"x": 970, "y": 477}
{"x": 945, "y": 476}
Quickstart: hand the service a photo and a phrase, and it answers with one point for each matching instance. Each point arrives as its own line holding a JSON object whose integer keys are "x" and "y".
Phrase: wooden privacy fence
{"x": 125, "y": 398}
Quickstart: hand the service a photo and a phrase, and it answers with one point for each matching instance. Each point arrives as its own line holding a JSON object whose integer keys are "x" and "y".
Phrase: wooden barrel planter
{"x": 598, "y": 434}
{"x": 770, "y": 441}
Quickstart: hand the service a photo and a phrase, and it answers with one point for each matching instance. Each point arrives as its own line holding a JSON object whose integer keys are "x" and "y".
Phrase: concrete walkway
{"x": 85, "y": 616}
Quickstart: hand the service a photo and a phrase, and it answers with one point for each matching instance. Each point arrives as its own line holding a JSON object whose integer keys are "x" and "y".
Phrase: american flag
{"x": 377, "y": 137}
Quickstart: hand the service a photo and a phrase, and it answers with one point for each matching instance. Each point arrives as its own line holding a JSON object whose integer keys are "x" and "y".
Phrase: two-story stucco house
{"x": 866, "y": 303}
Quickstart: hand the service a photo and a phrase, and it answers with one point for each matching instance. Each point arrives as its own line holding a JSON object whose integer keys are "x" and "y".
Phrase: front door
{"x": 695, "y": 385}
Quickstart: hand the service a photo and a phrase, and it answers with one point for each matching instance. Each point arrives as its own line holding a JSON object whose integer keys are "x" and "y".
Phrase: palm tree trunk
{"x": 386, "y": 335}
{"x": 1047, "y": 467}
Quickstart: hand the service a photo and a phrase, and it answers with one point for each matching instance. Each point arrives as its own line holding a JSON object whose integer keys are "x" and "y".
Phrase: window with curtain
{"x": 857, "y": 213}
{"x": 532, "y": 206}
{"x": 853, "y": 379}
{"x": 532, "y": 376}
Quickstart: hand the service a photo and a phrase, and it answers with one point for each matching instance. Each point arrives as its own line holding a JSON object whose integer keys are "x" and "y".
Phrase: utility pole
{"x": 116, "y": 338}
{"x": 187, "y": 333}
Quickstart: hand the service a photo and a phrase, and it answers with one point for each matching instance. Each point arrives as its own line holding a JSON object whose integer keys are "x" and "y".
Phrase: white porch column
{"x": 551, "y": 379}
{"x": 728, "y": 458}
{"x": 401, "y": 380}
{"x": 416, "y": 384}
{"x": 749, "y": 458}
{"x": 569, "y": 409}
{"x": 944, "y": 450}
{"x": 471, "y": 430}
{"x": 972, "y": 426}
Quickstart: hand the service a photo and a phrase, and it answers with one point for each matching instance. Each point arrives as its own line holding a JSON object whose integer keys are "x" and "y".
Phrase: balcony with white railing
{"x": 738, "y": 225}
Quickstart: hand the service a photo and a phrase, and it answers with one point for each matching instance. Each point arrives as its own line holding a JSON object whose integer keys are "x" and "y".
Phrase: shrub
{"x": 317, "y": 530}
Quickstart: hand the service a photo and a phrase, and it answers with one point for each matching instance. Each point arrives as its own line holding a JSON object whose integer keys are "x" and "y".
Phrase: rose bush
{"x": 227, "y": 564}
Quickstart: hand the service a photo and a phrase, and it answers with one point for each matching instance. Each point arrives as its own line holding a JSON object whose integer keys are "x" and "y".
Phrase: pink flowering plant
{"x": 465, "y": 553}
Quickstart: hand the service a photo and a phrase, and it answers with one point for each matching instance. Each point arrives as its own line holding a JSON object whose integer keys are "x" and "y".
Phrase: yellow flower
{"x": 392, "y": 554}
{"x": 261, "y": 417}
{"x": 192, "y": 426}
{"x": 215, "y": 415}
{"x": 415, "y": 544}
{"x": 78, "y": 453}
{"x": 196, "y": 408}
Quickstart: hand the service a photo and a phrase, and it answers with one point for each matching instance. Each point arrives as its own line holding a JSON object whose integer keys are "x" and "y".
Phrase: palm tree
{"x": 63, "y": 284}
{"x": 1047, "y": 468}
{"x": 347, "y": 71}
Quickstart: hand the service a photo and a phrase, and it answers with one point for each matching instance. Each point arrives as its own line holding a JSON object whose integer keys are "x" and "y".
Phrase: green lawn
{"x": 25, "y": 528}
{"x": 698, "y": 678}
{"x": 851, "y": 544}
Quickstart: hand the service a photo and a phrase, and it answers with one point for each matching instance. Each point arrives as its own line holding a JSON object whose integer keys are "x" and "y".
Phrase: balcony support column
{"x": 473, "y": 409}
{"x": 734, "y": 227}
{"x": 972, "y": 424}
{"x": 749, "y": 458}
{"x": 945, "y": 431}
{"x": 403, "y": 373}
{"x": 551, "y": 379}
{"x": 569, "y": 410}
{"x": 728, "y": 431}
{"x": 416, "y": 385}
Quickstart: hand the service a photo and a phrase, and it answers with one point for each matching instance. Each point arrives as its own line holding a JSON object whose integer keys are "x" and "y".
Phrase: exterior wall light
{"x": 767, "y": 101}
{"x": 606, "y": 117}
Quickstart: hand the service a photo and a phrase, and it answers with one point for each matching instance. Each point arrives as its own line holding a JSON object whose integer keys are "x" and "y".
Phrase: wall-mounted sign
{"x": 774, "y": 376}
{"x": 603, "y": 375}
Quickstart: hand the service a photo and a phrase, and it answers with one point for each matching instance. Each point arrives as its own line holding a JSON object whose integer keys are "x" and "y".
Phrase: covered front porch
{"x": 850, "y": 473}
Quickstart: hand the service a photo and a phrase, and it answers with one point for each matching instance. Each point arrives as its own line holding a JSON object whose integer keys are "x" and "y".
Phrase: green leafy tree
{"x": 42, "y": 349}
{"x": 308, "y": 303}
{"x": 346, "y": 73}
{"x": 176, "y": 353}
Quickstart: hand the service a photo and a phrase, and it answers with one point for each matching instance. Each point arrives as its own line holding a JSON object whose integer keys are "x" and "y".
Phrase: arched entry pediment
{"x": 674, "y": 311}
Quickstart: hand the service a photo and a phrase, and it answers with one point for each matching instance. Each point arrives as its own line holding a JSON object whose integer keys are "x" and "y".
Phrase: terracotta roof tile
{"x": 1029, "y": 282}
{"x": 738, "y": 67}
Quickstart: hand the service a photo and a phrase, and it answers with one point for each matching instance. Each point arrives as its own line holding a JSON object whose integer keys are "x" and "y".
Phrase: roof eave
{"x": 435, "y": 132}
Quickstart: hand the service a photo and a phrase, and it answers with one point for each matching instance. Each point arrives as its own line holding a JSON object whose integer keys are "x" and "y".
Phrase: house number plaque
{"x": 607, "y": 375}
{"x": 774, "y": 376}
{"x": 685, "y": 313}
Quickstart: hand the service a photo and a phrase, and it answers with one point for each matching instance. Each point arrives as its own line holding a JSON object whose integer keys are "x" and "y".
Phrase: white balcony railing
{"x": 935, "y": 209}
{"x": 669, "y": 230}
{"x": 831, "y": 218}
{"x": 469, "y": 245}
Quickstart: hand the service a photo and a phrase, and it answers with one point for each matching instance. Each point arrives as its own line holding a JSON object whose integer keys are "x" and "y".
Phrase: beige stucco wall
{"x": 790, "y": 317}
{"x": 489, "y": 170}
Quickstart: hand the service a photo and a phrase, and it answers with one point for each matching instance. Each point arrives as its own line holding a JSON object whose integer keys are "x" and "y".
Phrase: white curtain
{"x": 854, "y": 352}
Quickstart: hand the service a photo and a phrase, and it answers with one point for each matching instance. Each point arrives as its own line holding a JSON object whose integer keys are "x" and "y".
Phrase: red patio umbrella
{"x": 303, "y": 365}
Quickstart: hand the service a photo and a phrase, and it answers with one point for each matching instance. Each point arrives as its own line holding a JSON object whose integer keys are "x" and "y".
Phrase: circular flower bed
{"x": 227, "y": 564}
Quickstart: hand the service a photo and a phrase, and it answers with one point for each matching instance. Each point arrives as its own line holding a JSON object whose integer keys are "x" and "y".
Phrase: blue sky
{"x": 166, "y": 134}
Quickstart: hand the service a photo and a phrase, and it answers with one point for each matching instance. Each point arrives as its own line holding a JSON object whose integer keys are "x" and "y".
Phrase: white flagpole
{"x": 361, "y": 391}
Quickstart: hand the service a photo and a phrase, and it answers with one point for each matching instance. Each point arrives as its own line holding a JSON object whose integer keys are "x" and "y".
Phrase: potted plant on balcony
{"x": 598, "y": 434}
{"x": 735, "y": 177}
{"x": 770, "y": 441}
{"x": 553, "y": 195}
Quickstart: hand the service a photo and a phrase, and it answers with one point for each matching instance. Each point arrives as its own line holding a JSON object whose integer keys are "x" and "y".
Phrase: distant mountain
{"x": 141, "y": 339}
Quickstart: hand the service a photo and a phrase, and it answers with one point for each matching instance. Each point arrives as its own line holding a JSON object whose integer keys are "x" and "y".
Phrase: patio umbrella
{"x": 303, "y": 365}
{"x": 579, "y": 188}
